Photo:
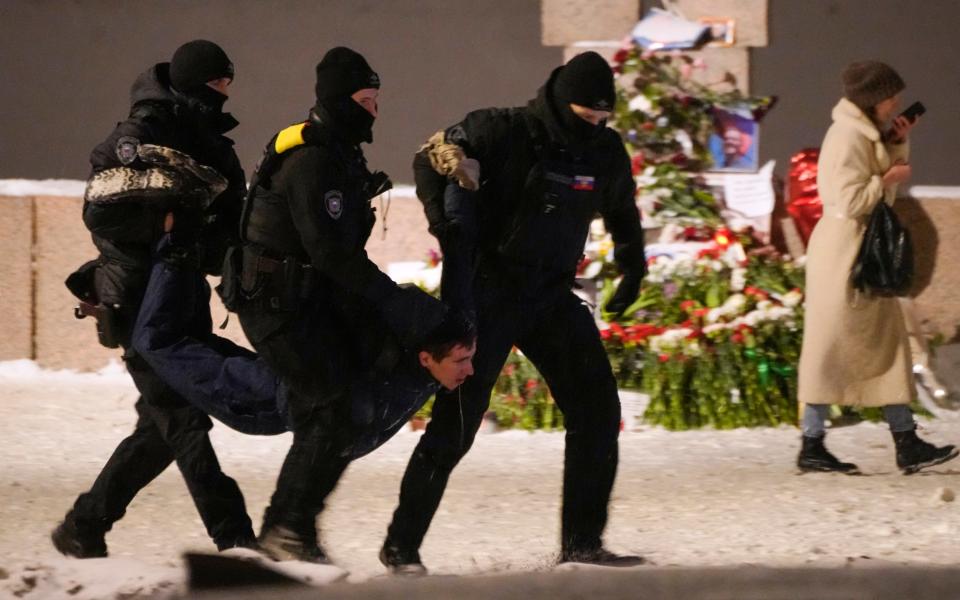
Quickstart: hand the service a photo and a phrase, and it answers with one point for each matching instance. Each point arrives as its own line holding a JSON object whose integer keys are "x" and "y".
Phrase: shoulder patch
{"x": 127, "y": 147}
{"x": 333, "y": 201}
{"x": 289, "y": 138}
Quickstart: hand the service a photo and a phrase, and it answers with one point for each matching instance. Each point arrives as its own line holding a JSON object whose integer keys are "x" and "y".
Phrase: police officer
{"x": 168, "y": 155}
{"x": 313, "y": 304}
{"x": 542, "y": 172}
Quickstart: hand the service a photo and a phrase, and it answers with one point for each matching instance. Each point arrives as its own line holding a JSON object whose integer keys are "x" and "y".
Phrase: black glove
{"x": 180, "y": 246}
{"x": 412, "y": 315}
{"x": 625, "y": 295}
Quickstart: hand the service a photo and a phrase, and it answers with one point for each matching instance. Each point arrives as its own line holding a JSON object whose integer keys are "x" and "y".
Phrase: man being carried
{"x": 235, "y": 385}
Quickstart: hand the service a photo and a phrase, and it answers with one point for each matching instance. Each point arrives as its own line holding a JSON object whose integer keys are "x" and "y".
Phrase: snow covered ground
{"x": 699, "y": 498}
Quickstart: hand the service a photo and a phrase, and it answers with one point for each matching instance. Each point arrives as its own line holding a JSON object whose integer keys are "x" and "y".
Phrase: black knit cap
{"x": 197, "y": 62}
{"x": 869, "y": 82}
{"x": 586, "y": 80}
{"x": 342, "y": 72}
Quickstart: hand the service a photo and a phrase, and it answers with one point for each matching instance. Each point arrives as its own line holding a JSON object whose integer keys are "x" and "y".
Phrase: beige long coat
{"x": 855, "y": 347}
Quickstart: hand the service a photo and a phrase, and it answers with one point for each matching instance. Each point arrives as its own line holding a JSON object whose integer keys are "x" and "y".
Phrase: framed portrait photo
{"x": 723, "y": 30}
{"x": 735, "y": 140}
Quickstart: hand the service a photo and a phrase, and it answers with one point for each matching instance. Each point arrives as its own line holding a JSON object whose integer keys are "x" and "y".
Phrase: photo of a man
{"x": 733, "y": 144}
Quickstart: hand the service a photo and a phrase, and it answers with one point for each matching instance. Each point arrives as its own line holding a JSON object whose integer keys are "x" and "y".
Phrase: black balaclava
{"x": 341, "y": 73}
{"x": 192, "y": 66}
{"x": 586, "y": 80}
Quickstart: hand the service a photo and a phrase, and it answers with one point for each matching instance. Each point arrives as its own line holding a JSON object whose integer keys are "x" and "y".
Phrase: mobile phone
{"x": 913, "y": 111}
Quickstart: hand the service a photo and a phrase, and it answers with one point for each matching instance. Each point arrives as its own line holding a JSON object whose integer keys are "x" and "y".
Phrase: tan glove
{"x": 449, "y": 159}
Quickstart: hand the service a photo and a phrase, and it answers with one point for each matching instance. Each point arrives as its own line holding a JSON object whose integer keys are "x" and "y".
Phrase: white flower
{"x": 647, "y": 202}
{"x": 708, "y": 329}
{"x": 735, "y": 303}
{"x": 792, "y": 299}
{"x": 738, "y": 279}
{"x": 641, "y": 103}
{"x": 670, "y": 339}
{"x": 685, "y": 142}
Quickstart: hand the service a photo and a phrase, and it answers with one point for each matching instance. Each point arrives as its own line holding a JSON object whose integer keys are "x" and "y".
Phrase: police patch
{"x": 127, "y": 149}
{"x": 333, "y": 200}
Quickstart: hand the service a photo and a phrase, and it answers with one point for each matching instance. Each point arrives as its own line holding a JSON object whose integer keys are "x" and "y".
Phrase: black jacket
{"x": 540, "y": 189}
{"x": 125, "y": 232}
{"x": 311, "y": 203}
{"x": 314, "y": 205}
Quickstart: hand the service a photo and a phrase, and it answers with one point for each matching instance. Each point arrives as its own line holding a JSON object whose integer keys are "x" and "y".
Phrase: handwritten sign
{"x": 751, "y": 195}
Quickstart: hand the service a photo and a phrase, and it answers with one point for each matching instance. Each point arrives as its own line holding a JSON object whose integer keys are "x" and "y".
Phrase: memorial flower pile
{"x": 714, "y": 340}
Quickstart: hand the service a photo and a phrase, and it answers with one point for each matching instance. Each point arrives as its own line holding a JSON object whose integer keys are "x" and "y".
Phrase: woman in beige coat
{"x": 855, "y": 348}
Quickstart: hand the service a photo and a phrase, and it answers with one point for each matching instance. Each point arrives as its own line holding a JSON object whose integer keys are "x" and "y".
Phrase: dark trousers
{"x": 310, "y": 472}
{"x": 559, "y": 336}
{"x": 225, "y": 381}
{"x": 168, "y": 429}
{"x": 300, "y": 349}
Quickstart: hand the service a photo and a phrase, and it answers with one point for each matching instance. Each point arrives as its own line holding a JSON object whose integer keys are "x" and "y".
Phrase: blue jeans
{"x": 898, "y": 416}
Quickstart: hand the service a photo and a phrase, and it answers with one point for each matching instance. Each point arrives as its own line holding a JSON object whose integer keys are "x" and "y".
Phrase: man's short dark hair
{"x": 455, "y": 330}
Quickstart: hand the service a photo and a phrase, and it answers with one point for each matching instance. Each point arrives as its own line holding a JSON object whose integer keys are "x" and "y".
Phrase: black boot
{"x": 400, "y": 561}
{"x": 282, "y": 543}
{"x": 74, "y": 540}
{"x": 601, "y": 556}
{"x": 420, "y": 492}
{"x": 814, "y": 456}
{"x": 914, "y": 454}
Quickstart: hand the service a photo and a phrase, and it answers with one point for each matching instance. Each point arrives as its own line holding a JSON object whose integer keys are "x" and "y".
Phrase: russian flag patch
{"x": 583, "y": 183}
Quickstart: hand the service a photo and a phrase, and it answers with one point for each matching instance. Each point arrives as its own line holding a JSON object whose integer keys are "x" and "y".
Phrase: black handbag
{"x": 884, "y": 265}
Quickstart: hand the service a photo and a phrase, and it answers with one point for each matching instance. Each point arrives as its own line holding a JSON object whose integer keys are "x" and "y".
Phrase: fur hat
{"x": 869, "y": 82}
